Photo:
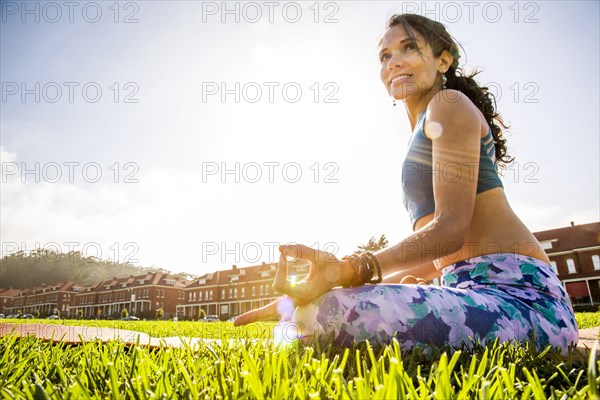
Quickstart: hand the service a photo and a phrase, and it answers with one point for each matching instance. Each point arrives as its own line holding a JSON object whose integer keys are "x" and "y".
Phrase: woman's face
{"x": 404, "y": 72}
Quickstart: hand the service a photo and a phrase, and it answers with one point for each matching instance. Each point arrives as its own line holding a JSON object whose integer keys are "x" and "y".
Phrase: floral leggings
{"x": 506, "y": 296}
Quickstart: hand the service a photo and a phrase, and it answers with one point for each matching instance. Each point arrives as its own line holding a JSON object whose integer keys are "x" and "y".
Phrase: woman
{"x": 497, "y": 282}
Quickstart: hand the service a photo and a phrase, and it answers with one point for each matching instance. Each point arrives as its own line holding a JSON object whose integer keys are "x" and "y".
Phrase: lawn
{"x": 238, "y": 369}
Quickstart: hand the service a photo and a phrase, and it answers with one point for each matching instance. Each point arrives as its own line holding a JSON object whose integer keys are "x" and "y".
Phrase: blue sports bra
{"x": 417, "y": 173}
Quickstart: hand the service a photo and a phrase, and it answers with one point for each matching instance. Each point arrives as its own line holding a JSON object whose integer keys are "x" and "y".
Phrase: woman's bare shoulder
{"x": 451, "y": 107}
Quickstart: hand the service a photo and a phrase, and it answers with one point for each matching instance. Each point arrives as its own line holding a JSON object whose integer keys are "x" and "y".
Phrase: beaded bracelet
{"x": 371, "y": 257}
{"x": 357, "y": 272}
{"x": 364, "y": 266}
{"x": 366, "y": 269}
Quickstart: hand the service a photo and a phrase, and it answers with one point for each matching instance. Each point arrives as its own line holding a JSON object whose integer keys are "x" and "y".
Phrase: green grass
{"x": 587, "y": 319}
{"x": 31, "y": 368}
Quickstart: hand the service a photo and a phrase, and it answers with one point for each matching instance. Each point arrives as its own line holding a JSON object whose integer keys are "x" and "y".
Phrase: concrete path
{"x": 79, "y": 334}
{"x": 587, "y": 338}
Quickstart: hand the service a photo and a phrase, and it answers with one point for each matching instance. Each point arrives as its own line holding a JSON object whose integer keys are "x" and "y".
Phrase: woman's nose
{"x": 394, "y": 61}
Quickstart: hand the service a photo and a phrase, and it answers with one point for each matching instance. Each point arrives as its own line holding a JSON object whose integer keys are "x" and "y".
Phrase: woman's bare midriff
{"x": 495, "y": 228}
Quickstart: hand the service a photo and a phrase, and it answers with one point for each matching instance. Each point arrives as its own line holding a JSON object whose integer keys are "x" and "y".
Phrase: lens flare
{"x": 434, "y": 129}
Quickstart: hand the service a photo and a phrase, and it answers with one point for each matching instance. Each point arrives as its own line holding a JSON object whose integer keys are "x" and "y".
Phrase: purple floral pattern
{"x": 506, "y": 296}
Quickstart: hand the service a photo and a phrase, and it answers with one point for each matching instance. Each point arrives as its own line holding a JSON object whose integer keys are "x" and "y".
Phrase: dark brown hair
{"x": 439, "y": 39}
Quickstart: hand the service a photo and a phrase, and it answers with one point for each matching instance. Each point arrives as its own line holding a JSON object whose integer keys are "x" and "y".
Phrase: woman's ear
{"x": 446, "y": 60}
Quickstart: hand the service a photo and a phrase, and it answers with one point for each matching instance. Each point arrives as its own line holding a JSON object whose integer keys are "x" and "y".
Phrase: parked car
{"x": 130, "y": 318}
{"x": 210, "y": 318}
{"x": 231, "y": 319}
{"x": 54, "y": 317}
{"x": 27, "y": 316}
{"x": 1, "y": 315}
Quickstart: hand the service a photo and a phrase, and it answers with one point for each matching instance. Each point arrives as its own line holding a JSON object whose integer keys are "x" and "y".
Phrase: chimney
{"x": 573, "y": 224}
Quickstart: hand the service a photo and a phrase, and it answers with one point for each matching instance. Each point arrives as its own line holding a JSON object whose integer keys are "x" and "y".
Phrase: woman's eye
{"x": 384, "y": 57}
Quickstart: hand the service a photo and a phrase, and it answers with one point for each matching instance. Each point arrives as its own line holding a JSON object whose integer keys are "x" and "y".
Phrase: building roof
{"x": 571, "y": 237}
{"x": 9, "y": 292}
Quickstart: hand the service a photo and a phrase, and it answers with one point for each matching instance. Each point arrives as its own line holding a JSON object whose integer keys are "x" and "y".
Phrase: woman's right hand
{"x": 281, "y": 307}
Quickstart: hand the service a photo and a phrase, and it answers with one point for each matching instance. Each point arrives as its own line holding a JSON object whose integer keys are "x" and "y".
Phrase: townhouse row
{"x": 224, "y": 293}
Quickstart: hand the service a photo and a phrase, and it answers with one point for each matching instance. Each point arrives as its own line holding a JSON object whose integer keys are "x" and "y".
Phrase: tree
{"x": 202, "y": 314}
{"x": 124, "y": 313}
{"x": 80, "y": 314}
{"x": 36, "y": 313}
{"x": 373, "y": 245}
{"x": 160, "y": 313}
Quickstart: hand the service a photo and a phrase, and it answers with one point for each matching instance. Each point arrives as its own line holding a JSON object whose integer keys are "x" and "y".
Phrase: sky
{"x": 193, "y": 135}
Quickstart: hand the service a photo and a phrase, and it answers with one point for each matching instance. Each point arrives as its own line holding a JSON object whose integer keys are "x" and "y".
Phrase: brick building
{"x": 6, "y": 299}
{"x": 45, "y": 299}
{"x": 574, "y": 252}
{"x": 223, "y": 293}
{"x": 233, "y": 292}
{"x": 141, "y": 295}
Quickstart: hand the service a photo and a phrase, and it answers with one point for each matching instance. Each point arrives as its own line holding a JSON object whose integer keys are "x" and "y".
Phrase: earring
{"x": 394, "y": 102}
{"x": 444, "y": 80}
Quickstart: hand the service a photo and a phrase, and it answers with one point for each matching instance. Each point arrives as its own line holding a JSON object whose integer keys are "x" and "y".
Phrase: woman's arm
{"x": 425, "y": 272}
{"x": 455, "y": 159}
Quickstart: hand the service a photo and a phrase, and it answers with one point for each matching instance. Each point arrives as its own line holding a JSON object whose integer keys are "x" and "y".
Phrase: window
{"x": 211, "y": 294}
{"x": 230, "y": 292}
{"x": 553, "y": 266}
{"x": 190, "y": 296}
{"x": 222, "y": 293}
{"x": 301, "y": 268}
{"x": 243, "y": 291}
{"x": 571, "y": 266}
{"x": 262, "y": 290}
{"x": 596, "y": 261}
{"x": 253, "y": 290}
{"x": 547, "y": 244}
{"x": 235, "y": 293}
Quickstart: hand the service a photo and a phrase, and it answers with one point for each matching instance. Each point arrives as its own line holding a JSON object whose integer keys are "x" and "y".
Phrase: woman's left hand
{"x": 326, "y": 272}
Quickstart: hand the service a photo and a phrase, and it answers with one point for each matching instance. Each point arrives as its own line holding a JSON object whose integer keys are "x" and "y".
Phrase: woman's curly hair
{"x": 439, "y": 39}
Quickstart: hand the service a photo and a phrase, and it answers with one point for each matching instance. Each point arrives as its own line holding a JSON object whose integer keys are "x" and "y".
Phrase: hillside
{"x": 20, "y": 270}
